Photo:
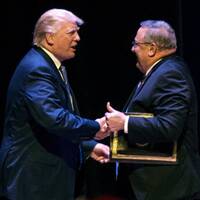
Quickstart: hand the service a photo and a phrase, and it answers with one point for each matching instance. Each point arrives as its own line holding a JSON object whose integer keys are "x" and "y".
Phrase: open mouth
{"x": 74, "y": 47}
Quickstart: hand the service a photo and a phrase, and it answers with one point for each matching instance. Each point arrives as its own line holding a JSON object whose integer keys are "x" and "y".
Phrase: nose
{"x": 133, "y": 48}
{"x": 77, "y": 37}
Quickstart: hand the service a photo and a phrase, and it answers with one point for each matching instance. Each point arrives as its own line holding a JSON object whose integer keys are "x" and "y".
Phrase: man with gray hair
{"x": 168, "y": 92}
{"x": 44, "y": 134}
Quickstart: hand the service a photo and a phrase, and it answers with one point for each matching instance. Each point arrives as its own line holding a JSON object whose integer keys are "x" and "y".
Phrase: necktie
{"x": 139, "y": 85}
{"x": 64, "y": 77}
{"x": 63, "y": 72}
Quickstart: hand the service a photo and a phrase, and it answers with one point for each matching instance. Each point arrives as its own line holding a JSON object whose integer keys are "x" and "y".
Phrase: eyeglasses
{"x": 135, "y": 43}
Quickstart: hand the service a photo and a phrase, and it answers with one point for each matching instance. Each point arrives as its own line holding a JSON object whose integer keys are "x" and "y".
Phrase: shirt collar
{"x": 55, "y": 60}
{"x": 152, "y": 67}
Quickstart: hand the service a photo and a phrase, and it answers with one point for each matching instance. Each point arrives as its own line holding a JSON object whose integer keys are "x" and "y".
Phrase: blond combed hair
{"x": 50, "y": 22}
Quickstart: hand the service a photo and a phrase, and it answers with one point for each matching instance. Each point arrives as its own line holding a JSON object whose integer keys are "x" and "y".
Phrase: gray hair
{"x": 50, "y": 22}
{"x": 161, "y": 33}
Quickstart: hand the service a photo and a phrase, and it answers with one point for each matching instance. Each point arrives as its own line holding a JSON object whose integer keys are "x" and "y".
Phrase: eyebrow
{"x": 74, "y": 29}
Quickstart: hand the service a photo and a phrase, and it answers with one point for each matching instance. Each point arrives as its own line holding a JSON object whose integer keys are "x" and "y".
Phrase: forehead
{"x": 141, "y": 33}
{"x": 69, "y": 25}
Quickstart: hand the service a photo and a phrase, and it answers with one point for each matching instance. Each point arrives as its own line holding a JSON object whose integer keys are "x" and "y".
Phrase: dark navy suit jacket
{"x": 167, "y": 92}
{"x": 41, "y": 146}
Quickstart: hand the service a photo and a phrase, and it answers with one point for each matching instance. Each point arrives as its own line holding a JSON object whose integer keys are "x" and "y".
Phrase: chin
{"x": 70, "y": 56}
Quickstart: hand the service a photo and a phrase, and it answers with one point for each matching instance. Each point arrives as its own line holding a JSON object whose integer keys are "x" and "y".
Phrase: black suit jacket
{"x": 167, "y": 92}
{"x": 40, "y": 150}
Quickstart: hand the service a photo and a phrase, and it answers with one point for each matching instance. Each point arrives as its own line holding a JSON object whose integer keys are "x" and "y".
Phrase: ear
{"x": 49, "y": 38}
{"x": 152, "y": 50}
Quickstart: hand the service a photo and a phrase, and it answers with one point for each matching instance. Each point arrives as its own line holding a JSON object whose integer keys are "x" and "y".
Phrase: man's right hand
{"x": 104, "y": 131}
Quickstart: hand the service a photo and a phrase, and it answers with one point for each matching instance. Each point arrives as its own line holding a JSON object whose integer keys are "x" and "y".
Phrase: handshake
{"x": 111, "y": 122}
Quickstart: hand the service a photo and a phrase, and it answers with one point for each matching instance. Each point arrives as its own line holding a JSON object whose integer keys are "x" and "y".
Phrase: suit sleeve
{"x": 46, "y": 101}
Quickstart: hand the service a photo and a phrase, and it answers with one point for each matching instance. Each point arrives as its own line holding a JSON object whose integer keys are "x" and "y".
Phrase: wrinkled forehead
{"x": 70, "y": 26}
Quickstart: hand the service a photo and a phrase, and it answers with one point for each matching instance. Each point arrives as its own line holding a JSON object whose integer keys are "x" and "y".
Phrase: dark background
{"x": 104, "y": 68}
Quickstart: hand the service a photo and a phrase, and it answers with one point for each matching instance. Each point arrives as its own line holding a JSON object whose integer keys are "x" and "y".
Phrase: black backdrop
{"x": 104, "y": 68}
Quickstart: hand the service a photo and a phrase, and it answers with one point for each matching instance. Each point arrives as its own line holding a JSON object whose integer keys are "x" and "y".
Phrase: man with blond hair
{"x": 44, "y": 134}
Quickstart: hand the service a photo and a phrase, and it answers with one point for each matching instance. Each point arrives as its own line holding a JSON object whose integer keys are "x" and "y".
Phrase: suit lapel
{"x": 136, "y": 90}
{"x": 125, "y": 108}
{"x": 58, "y": 77}
{"x": 51, "y": 64}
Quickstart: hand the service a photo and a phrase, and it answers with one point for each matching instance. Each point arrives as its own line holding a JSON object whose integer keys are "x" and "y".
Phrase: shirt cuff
{"x": 126, "y": 124}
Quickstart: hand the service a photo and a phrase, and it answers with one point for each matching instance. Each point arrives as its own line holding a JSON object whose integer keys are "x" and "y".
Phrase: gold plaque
{"x": 147, "y": 153}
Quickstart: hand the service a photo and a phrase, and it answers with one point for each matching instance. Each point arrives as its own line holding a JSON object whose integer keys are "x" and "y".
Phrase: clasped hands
{"x": 111, "y": 122}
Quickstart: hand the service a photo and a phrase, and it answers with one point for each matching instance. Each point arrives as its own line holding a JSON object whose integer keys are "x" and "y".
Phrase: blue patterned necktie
{"x": 63, "y": 71}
